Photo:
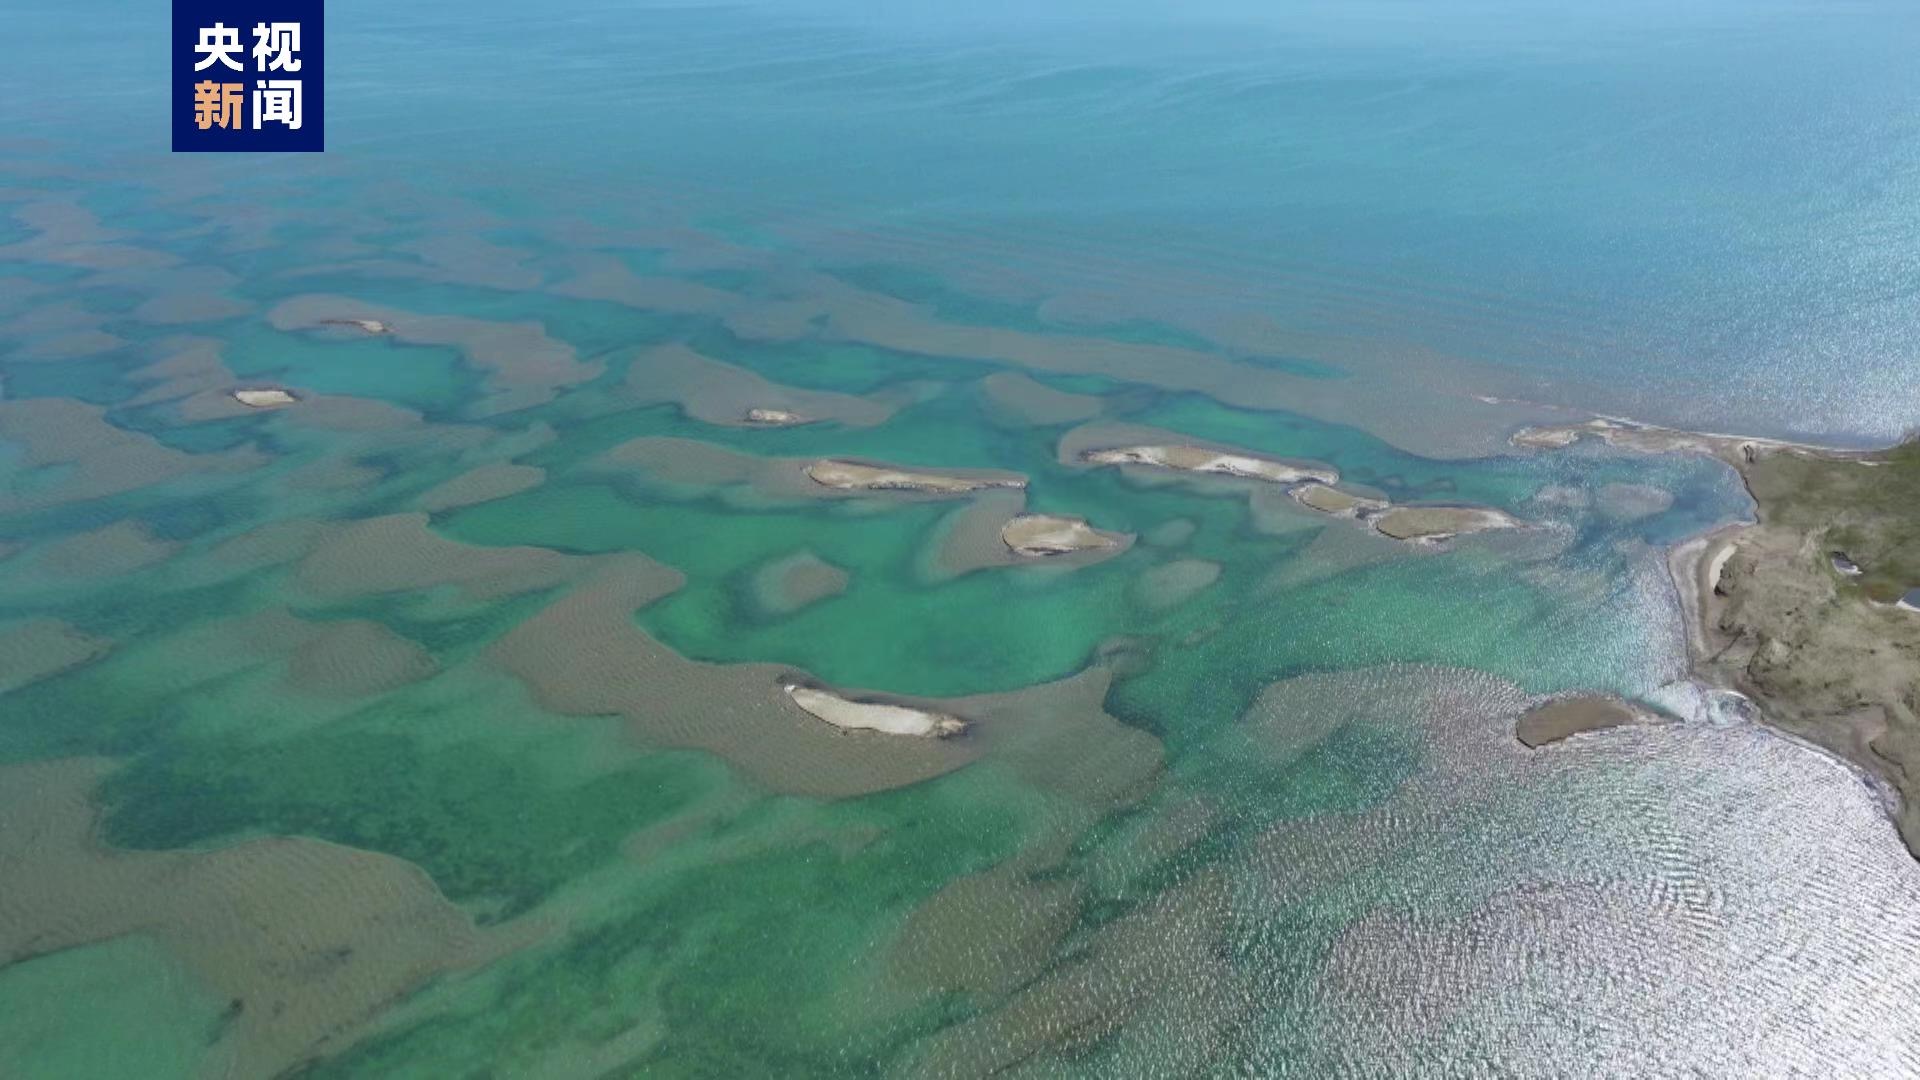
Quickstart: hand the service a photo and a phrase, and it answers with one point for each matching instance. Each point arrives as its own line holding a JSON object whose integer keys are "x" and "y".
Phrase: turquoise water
{"x": 432, "y": 725}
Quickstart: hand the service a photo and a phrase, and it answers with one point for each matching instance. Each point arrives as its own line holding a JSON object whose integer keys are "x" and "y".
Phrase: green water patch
{"x": 747, "y": 948}
{"x": 122, "y": 1008}
{"x": 450, "y": 775}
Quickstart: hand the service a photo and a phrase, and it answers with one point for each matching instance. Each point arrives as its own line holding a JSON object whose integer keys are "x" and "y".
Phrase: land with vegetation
{"x": 1802, "y": 609}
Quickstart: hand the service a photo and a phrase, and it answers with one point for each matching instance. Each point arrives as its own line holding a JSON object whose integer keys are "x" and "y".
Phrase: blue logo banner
{"x": 248, "y": 75}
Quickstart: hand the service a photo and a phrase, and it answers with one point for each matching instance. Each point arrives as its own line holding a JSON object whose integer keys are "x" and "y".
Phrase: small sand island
{"x": 1817, "y": 643}
{"x": 264, "y": 398}
{"x": 1332, "y": 500}
{"x": 776, "y": 418}
{"x": 1432, "y": 524}
{"x": 1560, "y": 718}
{"x": 1416, "y": 524}
{"x": 371, "y": 326}
{"x": 1041, "y": 535}
{"x": 850, "y": 715}
{"x": 854, "y": 476}
{"x": 1200, "y": 459}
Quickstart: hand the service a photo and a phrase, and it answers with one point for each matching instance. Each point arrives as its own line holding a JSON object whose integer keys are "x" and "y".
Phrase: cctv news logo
{"x": 248, "y": 76}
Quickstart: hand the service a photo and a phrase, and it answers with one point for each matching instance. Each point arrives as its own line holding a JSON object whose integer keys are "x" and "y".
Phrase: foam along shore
{"x": 371, "y": 326}
{"x": 1041, "y": 535}
{"x": 1561, "y": 718}
{"x": 1200, "y": 459}
{"x": 850, "y": 715}
{"x": 855, "y": 476}
{"x": 264, "y": 398}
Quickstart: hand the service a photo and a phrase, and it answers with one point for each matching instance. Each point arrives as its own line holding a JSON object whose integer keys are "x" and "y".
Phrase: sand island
{"x": 1041, "y": 535}
{"x": 850, "y": 715}
{"x": 856, "y": 476}
{"x": 264, "y": 398}
{"x": 1202, "y": 459}
{"x": 1564, "y": 717}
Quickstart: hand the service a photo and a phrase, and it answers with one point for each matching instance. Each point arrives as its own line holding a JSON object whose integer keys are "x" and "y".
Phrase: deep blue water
{"x": 1699, "y": 213}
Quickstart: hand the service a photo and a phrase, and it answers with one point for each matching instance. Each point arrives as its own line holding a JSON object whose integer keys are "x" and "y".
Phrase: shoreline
{"x": 1763, "y": 618}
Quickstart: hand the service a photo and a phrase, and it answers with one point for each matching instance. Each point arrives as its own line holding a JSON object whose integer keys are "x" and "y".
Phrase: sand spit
{"x": 857, "y": 476}
{"x": 308, "y": 940}
{"x": 1200, "y": 459}
{"x": 1041, "y": 535}
{"x": 848, "y": 714}
{"x": 264, "y": 398}
{"x": 1561, "y": 718}
{"x": 1736, "y": 450}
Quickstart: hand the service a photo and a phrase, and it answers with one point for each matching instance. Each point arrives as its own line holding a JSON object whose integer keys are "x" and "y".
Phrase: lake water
{"x": 433, "y": 725}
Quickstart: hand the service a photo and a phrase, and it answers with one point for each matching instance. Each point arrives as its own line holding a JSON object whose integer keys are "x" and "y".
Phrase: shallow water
{"x": 432, "y": 725}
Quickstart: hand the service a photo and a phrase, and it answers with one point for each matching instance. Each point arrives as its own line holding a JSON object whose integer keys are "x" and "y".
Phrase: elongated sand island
{"x": 850, "y": 715}
{"x": 1043, "y": 535}
{"x": 857, "y": 476}
{"x": 1432, "y": 524}
{"x": 370, "y": 326}
{"x": 1311, "y": 484}
{"x": 1200, "y": 459}
{"x": 762, "y": 417}
{"x": 1820, "y": 646}
{"x": 264, "y": 398}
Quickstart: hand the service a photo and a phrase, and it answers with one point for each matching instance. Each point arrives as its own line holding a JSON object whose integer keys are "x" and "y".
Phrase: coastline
{"x": 1769, "y": 615}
